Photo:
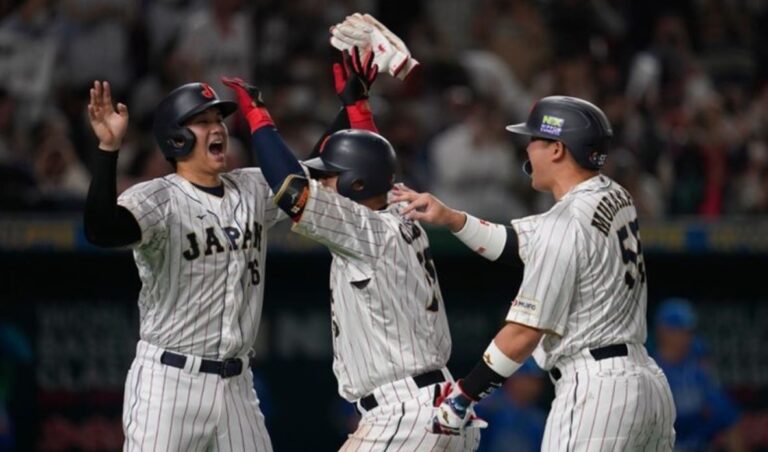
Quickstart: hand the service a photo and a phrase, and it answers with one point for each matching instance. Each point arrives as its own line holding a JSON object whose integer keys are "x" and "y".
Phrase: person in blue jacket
{"x": 704, "y": 410}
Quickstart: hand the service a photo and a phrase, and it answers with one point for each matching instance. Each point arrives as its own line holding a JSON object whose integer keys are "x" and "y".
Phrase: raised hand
{"x": 427, "y": 208}
{"x": 353, "y": 77}
{"x": 251, "y": 102}
{"x": 248, "y": 96}
{"x": 108, "y": 124}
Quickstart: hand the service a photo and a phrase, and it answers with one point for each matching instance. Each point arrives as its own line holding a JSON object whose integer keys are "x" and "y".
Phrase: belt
{"x": 230, "y": 367}
{"x": 427, "y": 378}
{"x": 599, "y": 354}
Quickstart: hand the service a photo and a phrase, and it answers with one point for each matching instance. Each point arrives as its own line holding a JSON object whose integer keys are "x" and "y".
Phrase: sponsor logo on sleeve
{"x": 523, "y": 305}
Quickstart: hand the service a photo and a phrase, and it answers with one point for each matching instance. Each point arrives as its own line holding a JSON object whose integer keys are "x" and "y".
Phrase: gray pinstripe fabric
{"x": 388, "y": 321}
{"x": 584, "y": 284}
{"x": 201, "y": 263}
{"x": 381, "y": 293}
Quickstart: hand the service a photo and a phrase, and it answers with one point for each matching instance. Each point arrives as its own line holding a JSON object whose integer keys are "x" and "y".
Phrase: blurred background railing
{"x": 683, "y": 83}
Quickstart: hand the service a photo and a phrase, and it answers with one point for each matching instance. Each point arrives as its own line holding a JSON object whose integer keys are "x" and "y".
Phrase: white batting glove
{"x": 365, "y": 32}
{"x": 454, "y": 412}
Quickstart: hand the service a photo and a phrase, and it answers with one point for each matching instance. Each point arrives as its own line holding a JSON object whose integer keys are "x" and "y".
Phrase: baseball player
{"x": 390, "y": 333}
{"x": 199, "y": 240}
{"x": 581, "y": 307}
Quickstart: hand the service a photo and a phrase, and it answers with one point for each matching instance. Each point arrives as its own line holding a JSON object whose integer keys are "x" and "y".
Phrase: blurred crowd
{"x": 683, "y": 84}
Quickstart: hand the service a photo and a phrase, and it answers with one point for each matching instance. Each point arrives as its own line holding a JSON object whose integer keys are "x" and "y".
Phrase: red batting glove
{"x": 353, "y": 79}
{"x": 251, "y": 103}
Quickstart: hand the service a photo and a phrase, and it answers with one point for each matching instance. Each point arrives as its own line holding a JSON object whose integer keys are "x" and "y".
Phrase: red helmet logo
{"x": 207, "y": 91}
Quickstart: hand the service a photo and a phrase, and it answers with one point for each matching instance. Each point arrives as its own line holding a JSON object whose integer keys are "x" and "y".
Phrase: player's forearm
{"x": 341, "y": 122}
{"x": 512, "y": 345}
{"x": 360, "y": 116}
{"x": 276, "y": 159}
{"x": 106, "y": 223}
{"x": 282, "y": 171}
{"x": 492, "y": 241}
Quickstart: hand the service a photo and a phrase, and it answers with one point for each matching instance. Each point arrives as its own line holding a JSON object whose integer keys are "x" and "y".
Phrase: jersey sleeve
{"x": 525, "y": 228}
{"x": 149, "y": 202}
{"x": 341, "y": 224}
{"x": 551, "y": 270}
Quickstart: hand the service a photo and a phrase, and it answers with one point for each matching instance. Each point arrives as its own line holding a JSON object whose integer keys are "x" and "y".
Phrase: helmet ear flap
{"x": 345, "y": 183}
{"x": 179, "y": 142}
{"x": 358, "y": 185}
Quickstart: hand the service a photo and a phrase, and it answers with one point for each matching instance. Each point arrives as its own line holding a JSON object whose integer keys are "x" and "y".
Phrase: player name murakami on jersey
{"x": 606, "y": 209}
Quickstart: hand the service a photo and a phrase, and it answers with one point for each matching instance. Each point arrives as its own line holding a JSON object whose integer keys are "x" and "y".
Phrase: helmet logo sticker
{"x": 597, "y": 158}
{"x": 207, "y": 91}
{"x": 552, "y": 125}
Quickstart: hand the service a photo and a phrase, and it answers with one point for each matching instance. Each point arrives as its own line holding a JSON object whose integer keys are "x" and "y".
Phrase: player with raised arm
{"x": 581, "y": 307}
{"x": 389, "y": 329}
{"x": 199, "y": 241}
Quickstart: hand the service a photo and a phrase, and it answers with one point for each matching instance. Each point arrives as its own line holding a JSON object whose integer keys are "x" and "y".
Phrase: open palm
{"x": 109, "y": 124}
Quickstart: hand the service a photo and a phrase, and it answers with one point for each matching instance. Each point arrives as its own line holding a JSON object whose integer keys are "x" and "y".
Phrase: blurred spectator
{"x": 515, "y": 419}
{"x": 685, "y": 84}
{"x": 163, "y": 21}
{"x": 406, "y": 135}
{"x": 516, "y": 32}
{"x": 167, "y": 72}
{"x": 9, "y": 137}
{"x": 704, "y": 411}
{"x": 98, "y": 43}
{"x": 646, "y": 192}
{"x": 29, "y": 39}
{"x": 60, "y": 175}
{"x": 216, "y": 41}
{"x": 751, "y": 194}
{"x": 475, "y": 167}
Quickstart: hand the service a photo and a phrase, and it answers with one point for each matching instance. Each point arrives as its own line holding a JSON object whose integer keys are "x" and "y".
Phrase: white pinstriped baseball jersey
{"x": 201, "y": 262}
{"x": 584, "y": 276}
{"x": 584, "y": 284}
{"x": 388, "y": 318}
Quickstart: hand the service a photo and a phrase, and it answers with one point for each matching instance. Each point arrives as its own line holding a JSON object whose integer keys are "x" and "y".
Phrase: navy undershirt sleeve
{"x": 277, "y": 160}
{"x": 510, "y": 255}
{"x": 106, "y": 223}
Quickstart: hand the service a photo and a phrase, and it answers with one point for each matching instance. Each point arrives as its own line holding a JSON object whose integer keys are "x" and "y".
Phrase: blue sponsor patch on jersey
{"x": 552, "y": 125}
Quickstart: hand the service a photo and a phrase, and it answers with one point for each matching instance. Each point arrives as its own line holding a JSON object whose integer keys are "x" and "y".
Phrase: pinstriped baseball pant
{"x": 400, "y": 423}
{"x": 170, "y": 409}
{"x": 621, "y": 403}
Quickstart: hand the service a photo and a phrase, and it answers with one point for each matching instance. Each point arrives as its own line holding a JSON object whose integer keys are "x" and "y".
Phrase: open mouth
{"x": 216, "y": 147}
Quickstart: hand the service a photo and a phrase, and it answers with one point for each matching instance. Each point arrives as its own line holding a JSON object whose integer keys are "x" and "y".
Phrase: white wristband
{"x": 499, "y": 362}
{"x": 484, "y": 238}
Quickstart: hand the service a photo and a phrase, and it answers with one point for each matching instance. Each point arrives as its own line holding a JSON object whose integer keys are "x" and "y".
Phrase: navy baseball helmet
{"x": 364, "y": 161}
{"x": 580, "y": 125}
{"x": 184, "y": 102}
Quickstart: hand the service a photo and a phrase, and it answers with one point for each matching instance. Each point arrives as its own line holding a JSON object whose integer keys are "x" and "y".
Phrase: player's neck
{"x": 569, "y": 179}
{"x": 199, "y": 178}
{"x": 375, "y": 203}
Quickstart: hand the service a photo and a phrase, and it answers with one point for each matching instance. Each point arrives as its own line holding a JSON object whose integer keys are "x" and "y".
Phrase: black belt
{"x": 427, "y": 378}
{"x": 230, "y": 367}
{"x": 609, "y": 351}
